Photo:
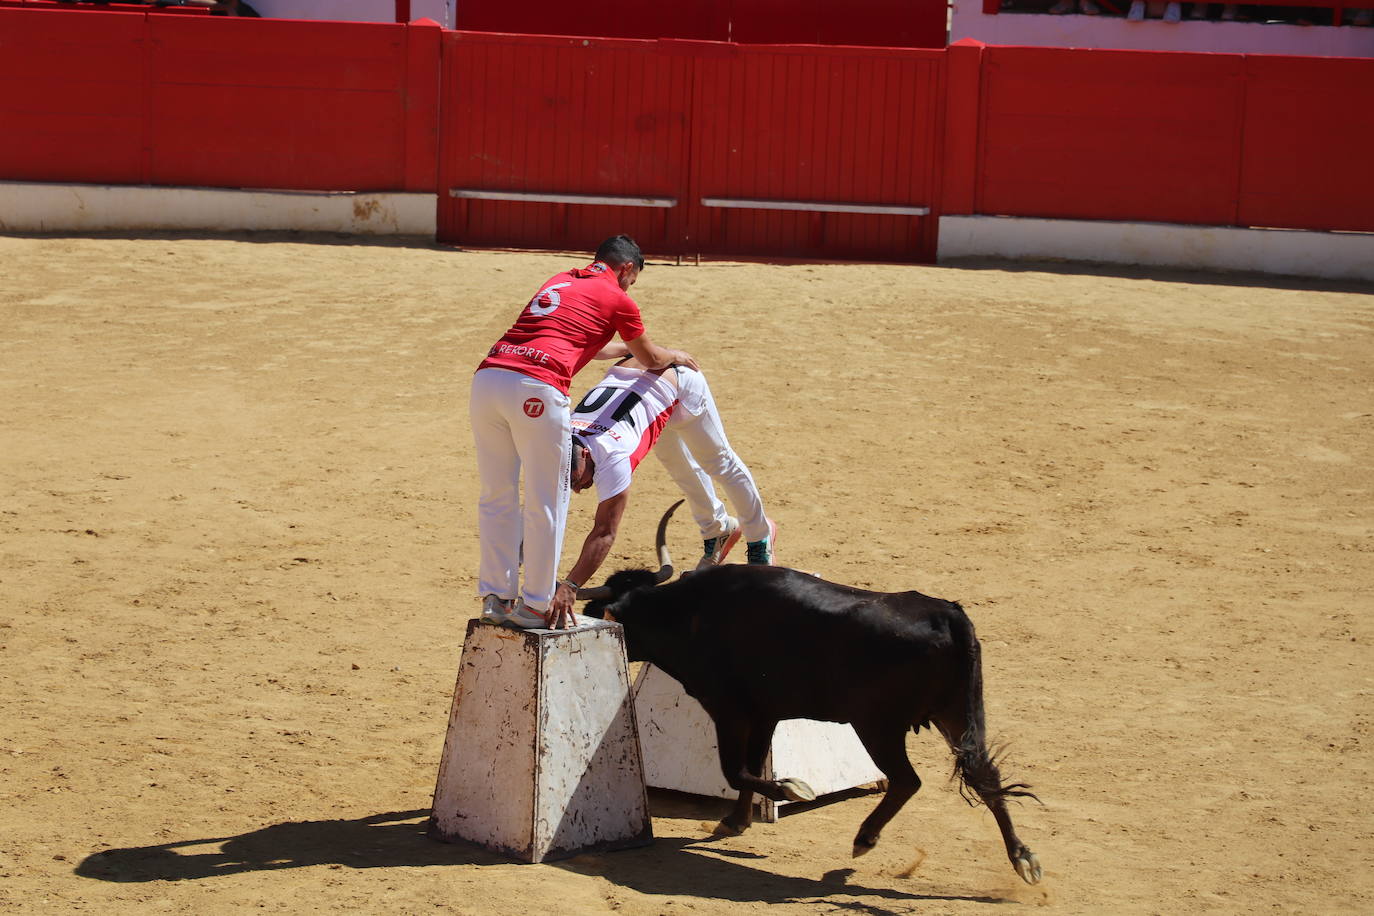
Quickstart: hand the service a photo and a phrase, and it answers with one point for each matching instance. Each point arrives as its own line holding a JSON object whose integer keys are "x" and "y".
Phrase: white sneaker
{"x": 1137, "y": 12}
{"x": 525, "y": 618}
{"x": 1173, "y": 12}
{"x": 494, "y": 609}
{"x": 715, "y": 549}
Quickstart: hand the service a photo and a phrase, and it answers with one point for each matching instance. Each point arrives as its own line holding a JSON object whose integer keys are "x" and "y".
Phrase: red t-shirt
{"x": 573, "y": 316}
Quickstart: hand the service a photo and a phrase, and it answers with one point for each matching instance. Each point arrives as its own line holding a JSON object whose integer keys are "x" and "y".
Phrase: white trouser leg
{"x": 704, "y": 436}
{"x": 707, "y": 509}
{"x": 498, "y": 506}
{"x": 510, "y": 441}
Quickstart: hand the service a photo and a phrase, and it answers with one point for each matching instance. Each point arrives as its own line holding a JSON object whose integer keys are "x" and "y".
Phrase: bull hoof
{"x": 863, "y": 844}
{"x": 796, "y": 790}
{"x": 725, "y": 828}
{"x": 1028, "y": 867}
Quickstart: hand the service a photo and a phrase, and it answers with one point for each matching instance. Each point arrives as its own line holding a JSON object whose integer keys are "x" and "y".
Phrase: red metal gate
{"x": 692, "y": 147}
{"x": 558, "y": 142}
{"x": 817, "y": 152}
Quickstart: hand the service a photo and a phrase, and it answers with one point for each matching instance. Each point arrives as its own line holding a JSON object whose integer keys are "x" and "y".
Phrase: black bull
{"x": 882, "y": 662}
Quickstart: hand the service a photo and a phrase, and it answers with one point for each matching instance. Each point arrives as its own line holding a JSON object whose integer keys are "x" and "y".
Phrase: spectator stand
{"x": 1291, "y": 12}
{"x": 1300, "y": 28}
{"x": 124, "y": 6}
{"x": 342, "y": 10}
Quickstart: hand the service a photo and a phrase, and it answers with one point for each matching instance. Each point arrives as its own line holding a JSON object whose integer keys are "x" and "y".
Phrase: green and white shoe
{"x": 715, "y": 549}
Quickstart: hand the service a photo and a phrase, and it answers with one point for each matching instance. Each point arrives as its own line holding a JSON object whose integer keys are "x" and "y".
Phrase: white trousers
{"x": 695, "y": 452}
{"x": 520, "y": 423}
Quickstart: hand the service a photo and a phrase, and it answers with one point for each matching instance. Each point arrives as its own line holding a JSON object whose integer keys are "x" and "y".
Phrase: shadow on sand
{"x": 672, "y": 866}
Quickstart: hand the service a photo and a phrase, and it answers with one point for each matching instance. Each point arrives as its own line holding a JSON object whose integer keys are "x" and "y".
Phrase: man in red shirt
{"x": 519, "y": 410}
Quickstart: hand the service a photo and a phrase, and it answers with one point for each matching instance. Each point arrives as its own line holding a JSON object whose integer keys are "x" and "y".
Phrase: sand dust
{"x": 237, "y": 553}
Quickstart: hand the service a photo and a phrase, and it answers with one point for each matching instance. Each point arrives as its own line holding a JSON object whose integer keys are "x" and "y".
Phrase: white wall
{"x": 38, "y": 207}
{"x": 441, "y": 11}
{"x": 1336, "y": 255}
{"x": 1044, "y": 31}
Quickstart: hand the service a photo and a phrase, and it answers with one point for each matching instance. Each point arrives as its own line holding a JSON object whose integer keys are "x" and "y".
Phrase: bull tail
{"x": 975, "y": 764}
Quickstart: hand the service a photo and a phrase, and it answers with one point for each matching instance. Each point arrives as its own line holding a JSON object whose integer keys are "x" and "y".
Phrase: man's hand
{"x": 560, "y": 615}
{"x": 683, "y": 358}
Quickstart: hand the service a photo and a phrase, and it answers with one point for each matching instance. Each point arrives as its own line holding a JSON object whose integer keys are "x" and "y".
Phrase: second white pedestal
{"x": 678, "y": 740}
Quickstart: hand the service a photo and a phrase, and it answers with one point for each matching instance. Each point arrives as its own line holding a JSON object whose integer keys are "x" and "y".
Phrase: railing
{"x": 171, "y": 6}
{"x": 1337, "y": 7}
{"x": 125, "y": 6}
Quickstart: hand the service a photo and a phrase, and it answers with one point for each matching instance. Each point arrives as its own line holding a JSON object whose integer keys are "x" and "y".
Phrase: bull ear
{"x": 665, "y": 571}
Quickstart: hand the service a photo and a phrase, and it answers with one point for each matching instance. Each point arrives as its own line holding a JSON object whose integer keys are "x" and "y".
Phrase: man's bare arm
{"x": 655, "y": 357}
{"x": 616, "y": 349}
{"x": 595, "y": 549}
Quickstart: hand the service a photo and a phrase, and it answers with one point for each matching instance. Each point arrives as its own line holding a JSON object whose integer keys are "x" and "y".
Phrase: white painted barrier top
{"x": 739, "y": 203}
{"x": 539, "y": 197}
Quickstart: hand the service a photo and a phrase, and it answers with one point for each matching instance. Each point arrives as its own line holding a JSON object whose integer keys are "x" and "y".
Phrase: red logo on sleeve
{"x": 534, "y": 408}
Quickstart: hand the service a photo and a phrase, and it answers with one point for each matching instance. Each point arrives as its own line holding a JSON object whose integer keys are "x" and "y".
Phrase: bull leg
{"x": 886, "y": 744}
{"x": 757, "y": 743}
{"x": 978, "y": 771}
{"x": 743, "y": 746}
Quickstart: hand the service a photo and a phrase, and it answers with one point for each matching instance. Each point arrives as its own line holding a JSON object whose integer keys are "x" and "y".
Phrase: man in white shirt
{"x": 629, "y": 412}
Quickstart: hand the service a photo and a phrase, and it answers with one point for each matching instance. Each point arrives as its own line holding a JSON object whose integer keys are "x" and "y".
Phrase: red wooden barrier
{"x": 152, "y": 99}
{"x": 1107, "y": 134}
{"x": 529, "y": 119}
{"x": 716, "y": 148}
{"x": 690, "y": 146}
{"x": 849, "y": 134}
{"x": 73, "y": 98}
{"x": 1309, "y": 141}
{"x": 963, "y": 95}
{"x": 880, "y": 23}
{"x": 692, "y": 19}
{"x": 1211, "y": 139}
{"x": 864, "y": 23}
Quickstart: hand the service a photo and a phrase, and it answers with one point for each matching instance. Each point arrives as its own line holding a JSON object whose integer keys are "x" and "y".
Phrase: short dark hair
{"x": 620, "y": 249}
{"x": 577, "y": 446}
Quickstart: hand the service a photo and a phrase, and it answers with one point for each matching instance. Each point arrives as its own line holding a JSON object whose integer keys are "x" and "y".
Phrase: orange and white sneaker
{"x": 717, "y": 547}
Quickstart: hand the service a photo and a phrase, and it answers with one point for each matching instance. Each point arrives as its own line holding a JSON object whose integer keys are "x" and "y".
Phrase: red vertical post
{"x": 146, "y": 48}
{"x": 421, "y": 95}
{"x": 963, "y": 116}
{"x": 402, "y": 10}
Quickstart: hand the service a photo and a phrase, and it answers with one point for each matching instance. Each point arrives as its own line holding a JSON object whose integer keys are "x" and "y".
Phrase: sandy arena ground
{"x": 237, "y": 552}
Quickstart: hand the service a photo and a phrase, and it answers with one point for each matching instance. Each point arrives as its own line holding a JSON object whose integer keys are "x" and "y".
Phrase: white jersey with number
{"x": 620, "y": 420}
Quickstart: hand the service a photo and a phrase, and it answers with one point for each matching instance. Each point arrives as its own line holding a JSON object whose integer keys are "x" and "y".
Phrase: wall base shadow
{"x": 1162, "y": 274}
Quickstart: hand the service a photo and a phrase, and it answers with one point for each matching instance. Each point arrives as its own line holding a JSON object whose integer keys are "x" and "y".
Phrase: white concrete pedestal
{"x": 680, "y": 751}
{"x": 542, "y": 758}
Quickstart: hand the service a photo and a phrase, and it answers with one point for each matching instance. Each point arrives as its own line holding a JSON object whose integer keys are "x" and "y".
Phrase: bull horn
{"x": 665, "y": 571}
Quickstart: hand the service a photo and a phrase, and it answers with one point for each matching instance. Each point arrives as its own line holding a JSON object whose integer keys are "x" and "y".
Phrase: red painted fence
{"x": 1211, "y": 139}
{"x": 714, "y": 148}
{"x": 143, "y": 98}
{"x": 692, "y": 146}
{"x": 883, "y": 23}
